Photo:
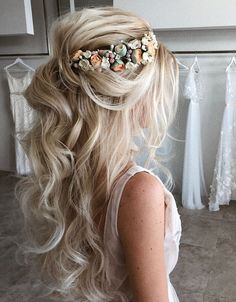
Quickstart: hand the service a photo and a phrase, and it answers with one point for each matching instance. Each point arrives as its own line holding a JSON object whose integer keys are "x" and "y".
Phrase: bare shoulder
{"x": 142, "y": 183}
{"x": 143, "y": 195}
{"x": 140, "y": 226}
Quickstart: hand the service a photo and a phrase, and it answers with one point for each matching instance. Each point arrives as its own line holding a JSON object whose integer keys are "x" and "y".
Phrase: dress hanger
{"x": 181, "y": 64}
{"x": 195, "y": 63}
{"x": 232, "y": 61}
{"x": 18, "y": 61}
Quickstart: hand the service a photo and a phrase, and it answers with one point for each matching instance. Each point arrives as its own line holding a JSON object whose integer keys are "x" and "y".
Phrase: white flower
{"x": 150, "y": 36}
{"x": 105, "y": 63}
{"x": 84, "y": 64}
{"x": 133, "y": 44}
{"x": 87, "y": 54}
{"x": 147, "y": 57}
{"x": 145, "y": 41}
{"x": 144, "y": 47}
{"x": 143, "y": 62}
{"x": 153, "y": 38}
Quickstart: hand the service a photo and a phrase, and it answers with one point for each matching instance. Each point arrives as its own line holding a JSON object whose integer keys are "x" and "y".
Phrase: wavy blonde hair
{"x": 82, "y": 139}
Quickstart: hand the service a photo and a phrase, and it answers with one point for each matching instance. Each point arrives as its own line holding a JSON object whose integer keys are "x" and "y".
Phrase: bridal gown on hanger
{"x": 224, "y": 178}
{"x": 193, "y": 185}
{"x": 22, "y": 114}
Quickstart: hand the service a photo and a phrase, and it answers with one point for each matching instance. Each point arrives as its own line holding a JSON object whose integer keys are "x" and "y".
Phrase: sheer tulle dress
{"x": 115, "y": 264}
{"x": 193, "y": 186}
{"x": 224, "y": 179}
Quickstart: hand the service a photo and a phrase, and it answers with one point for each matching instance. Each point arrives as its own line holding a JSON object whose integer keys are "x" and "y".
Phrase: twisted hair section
{"x": 83, "y": 137}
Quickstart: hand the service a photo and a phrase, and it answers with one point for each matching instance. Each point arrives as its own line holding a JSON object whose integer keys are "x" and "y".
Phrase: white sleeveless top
{"x": 115, "y": 268}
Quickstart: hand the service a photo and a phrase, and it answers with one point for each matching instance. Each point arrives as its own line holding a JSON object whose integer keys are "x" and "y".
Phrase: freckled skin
{"x": 141, "y": 230}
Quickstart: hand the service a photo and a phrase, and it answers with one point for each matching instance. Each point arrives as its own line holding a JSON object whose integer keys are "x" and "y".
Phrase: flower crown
{"x": 124, "y": 55}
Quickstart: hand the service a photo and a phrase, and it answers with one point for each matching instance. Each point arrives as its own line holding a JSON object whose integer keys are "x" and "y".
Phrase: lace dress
{"x": 22, "y": 116}
{"x": 115, "y": 264}
{"x": 193, "y": 186}
{"x": 224, "y": 178}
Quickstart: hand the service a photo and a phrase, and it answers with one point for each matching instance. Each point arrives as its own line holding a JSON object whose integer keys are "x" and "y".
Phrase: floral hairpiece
{"x": 124, "y": 55}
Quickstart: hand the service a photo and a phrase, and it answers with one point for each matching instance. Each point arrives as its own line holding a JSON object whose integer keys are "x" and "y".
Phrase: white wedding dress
{"x": 193, "y": 185}
{"x": 224, "y": 178}
{"x": 22, "y": 116}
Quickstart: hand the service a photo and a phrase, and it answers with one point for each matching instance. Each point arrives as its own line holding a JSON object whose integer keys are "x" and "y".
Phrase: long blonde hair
{"x": 82, "y": 138}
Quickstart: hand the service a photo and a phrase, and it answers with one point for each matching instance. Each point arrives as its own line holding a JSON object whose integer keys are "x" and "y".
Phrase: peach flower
{"x": 96, "y": 60}
{"x": 151, "y": 48}
{"x": 77, "y": 54}
{"x": 137, "y": 56}
{"x": 118, "y": 65}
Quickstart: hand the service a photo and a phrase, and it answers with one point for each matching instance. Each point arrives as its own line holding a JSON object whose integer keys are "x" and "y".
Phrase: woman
{"x": 101, "y": 227}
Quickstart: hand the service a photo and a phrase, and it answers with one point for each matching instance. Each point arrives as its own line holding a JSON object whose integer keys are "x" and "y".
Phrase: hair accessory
{"x": 124, "y": 55}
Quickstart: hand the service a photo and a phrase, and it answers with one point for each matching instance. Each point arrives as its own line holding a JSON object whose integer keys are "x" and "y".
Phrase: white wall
{"x": 183, "y": 14}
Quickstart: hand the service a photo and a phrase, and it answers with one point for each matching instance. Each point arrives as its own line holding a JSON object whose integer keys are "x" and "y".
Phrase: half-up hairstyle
{"x": 82, "y": 139}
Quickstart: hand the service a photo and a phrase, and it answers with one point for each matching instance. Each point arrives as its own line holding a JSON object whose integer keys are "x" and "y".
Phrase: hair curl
{"x": 82, "y": 138}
